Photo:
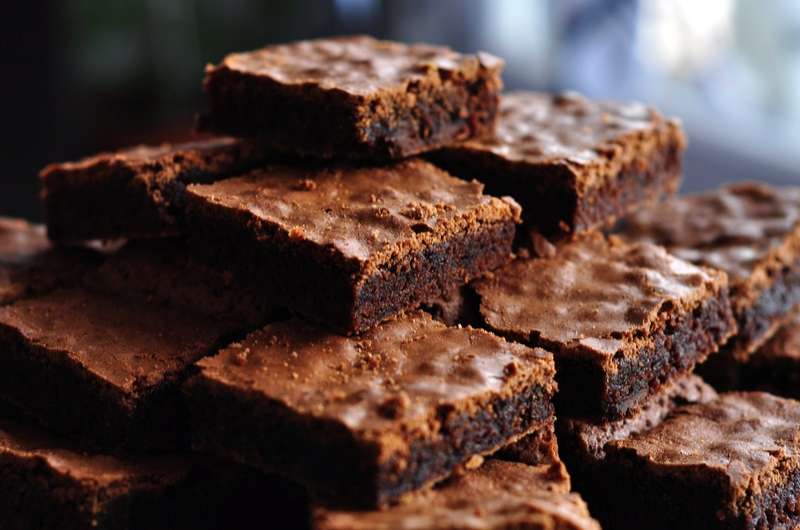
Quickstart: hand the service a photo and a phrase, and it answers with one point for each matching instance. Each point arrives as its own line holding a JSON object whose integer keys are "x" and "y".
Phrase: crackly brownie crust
{"x": 749, "y": 230}
{"x": 363, "y": 420}
{"x": 636, "y": 317}
{"x": 353, "y": 97}
{"x": 29, "y": 264}
{"x": 136, "y": 192}
{"x": 498, "y": 495}
{"x": 351, "y": 246}
{"x": 105, "y": 370}
{"x": 733, "y": 462}
{"x": 573, "y": 164}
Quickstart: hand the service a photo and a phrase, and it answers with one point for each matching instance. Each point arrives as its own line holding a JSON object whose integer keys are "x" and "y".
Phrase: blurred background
{"x": 82, "y": 76}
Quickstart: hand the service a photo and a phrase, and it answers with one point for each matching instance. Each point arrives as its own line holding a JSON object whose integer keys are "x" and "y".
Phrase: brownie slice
{"x": 733, "y": 462}
{"x": 351, "y": 246}
{"x": 103, "y": 369}
{"x": 136, "y": 192}
{"x": 775, "y": 367}
{"x": 363, "y": 420}
{"x": 353, "y": 97}
{"x": 573, "y": 164}
{"x": 497, "y": 496}
{"x": 749, "y": 230}
{"x": 47, "y": 483}
{"x": 621, "y": 320}
{"x": 29, "y": 264}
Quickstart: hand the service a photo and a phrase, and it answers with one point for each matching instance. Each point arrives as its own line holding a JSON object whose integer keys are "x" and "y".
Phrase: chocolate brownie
{"x": 573, "y": 164}
{"x": 363, "y": 420}
{"x": 621, "y": 320}
{"x": 351, "y": 246}
{"x": 775, "y": 367}
{"x": 29, "y": 264}
{"x": 497, "y": 496}
{"x": 136, "y": 192}
{"x": 102, "y": 369}
{"x": 47, "y": 483}
{"x": 733, "y": 462}
{"x": 353, "y": 97}
{"x": 749, "y": 230}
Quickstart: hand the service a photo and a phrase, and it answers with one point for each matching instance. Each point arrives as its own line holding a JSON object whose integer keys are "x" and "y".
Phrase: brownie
{"x": 573, "y": 164}
{"x": 29, "y": 264}
{"x": 363, "y": 420}
{"x": 48, "y": 483}
{"x": 353, "y": 97}
{"x": 621, "y": 320}
{"x": 497, "y": 496}
{"x": 136, "y": 192}
{"x": 351, "y": 246}
{"x": 749, "y": 230}
{"x": 102, "y": 369}
{"x": 775, "y": 366}
{"x": 731, "y": 463}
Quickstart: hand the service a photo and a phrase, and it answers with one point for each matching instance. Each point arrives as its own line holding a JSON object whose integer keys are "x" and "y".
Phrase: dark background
{"x": 91, "y": 75}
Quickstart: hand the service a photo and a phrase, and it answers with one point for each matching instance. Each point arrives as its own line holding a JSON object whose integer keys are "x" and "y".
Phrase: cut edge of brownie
{"x": 301, "y": 447}
{"x": 325, "y": 123}
{"x": 549, "y": 191}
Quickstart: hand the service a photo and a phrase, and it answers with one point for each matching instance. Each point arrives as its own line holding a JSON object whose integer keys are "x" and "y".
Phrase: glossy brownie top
{"x": 591, "y": 437}
{"x": 595, "y": 293}
{"x": 496, "y": 496}
{"x": 132, "y": 346}
{"x": 21, "y": 441}
{"x": 368, "y": 215}
{"x": 746, "y": 436}
{"x": 20, "y": 242}
{"x": 357, "y": 65}
{"x": 567, "y": 128}
{"x": 401, "y": 372}
{"x": 734, "y": 228}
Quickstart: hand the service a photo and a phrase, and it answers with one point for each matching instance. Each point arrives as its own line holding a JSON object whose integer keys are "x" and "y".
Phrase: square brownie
{"x": 136, "y": 192}
{"x": 364, "y": 420}
{"x": 749, "y": 230}
{"x": 29, "y": 264}
{"x": 621, "y": 320}
{"x": 497, "y": 496}
{"x": 102, "y": 369}
{"x": 733, "y": 462}
{"x": 351, "y": 246}
{"x": 353, "y": 97}
{"x": 573, "y": 164}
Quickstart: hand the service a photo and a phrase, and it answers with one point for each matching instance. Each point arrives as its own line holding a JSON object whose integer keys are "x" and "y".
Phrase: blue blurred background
{"x": 87, "y": 75}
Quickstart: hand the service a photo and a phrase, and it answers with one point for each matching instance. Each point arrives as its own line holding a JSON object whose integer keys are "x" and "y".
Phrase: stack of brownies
{"x": 389, "y": 300}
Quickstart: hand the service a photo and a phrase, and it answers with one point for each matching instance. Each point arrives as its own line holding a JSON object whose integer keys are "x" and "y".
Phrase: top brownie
{"x": 29, "y": 264}
{"x": 497, "y": 496}
{"x": 573, "y": 164}
{"x": 622, "y": 320}
{"x": 350, "y": 246}
{"x": 353, "y": 97}
{"x": 749, "y": 230}
{"x": 136, "y": 192}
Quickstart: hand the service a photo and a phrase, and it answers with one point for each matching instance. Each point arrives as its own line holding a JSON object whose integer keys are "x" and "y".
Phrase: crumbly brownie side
{"x": 574, "y": 165}
{"x": 538, "y": 448}
{"x": 359, "y": 244}
{"x": 30, "y": 265}
{"x": 106, "y": 370}
{"x": 136, "y": 192}
{"x": 497, "y": 496}
{"x": 353, "y": 97}
{"x": 733, "y": 462}
{"x": 640, "y": 318}
{"x": 749, "y": 230}
{"x": 362, "y": 421}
